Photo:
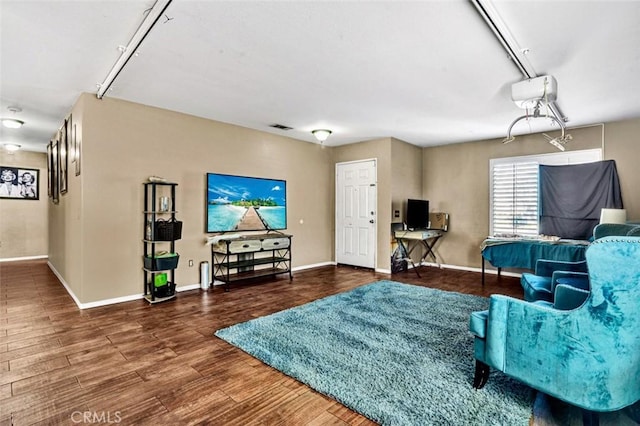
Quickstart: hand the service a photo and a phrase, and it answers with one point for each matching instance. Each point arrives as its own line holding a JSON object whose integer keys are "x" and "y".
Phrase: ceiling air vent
{"x": 280, "y": 126}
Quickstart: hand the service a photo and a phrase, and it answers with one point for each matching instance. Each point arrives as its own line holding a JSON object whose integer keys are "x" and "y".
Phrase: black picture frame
{"x": 71, "y": 147}
{"x": 63, "y": 150}
{"x": 55, "y": 166}
{"x": 77, "y": 148}
{"x": 19, "y": 183}
{"x": 49, "y": 169}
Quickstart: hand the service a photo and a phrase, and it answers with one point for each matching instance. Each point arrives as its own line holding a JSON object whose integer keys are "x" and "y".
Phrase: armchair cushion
{"x": 536, "y": 287}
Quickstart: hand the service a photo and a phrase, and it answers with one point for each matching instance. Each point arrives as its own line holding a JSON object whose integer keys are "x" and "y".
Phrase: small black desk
{"x": 426, "y": 238}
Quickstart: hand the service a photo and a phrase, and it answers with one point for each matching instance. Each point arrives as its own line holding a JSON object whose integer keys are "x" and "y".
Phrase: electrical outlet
{"x": 190, "y": 263}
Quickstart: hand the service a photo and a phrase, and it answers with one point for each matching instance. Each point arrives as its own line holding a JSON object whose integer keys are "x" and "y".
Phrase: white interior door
{"x": 356, "y": 213}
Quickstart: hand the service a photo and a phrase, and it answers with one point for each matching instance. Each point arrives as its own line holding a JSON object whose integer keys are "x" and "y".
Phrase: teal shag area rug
{"x": 398, "y": 354}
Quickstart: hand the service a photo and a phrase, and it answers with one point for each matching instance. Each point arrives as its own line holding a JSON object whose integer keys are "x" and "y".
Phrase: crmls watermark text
{"x": 96, "y": 417}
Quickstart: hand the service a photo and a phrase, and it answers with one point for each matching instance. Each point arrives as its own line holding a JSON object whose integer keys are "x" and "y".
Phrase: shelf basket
{"x": 168, "y": 230}
{"x": 161, "y": 263}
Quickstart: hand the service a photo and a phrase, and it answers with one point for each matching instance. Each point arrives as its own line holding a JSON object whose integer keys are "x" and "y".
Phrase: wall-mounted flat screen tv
{"x": 417, "y": 214}
{"x": 241, "y": 203}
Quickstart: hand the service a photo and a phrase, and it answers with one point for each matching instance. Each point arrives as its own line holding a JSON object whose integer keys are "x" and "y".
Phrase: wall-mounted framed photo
{"x": 19, "y": 183}
{"x": 55, "y": 166}
{"x": 49, "y": 169}
{"x": 77, "y": 143}
{"x": 64, "y": 157}
{"x": 71, "y": 147}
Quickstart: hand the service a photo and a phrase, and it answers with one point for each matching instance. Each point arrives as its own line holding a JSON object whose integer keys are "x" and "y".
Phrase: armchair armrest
{"x": 500, "y": 311}
{"x": 576, "y": 279}
{"x": 568, "y": 297}
{"x": 546, "y": 268}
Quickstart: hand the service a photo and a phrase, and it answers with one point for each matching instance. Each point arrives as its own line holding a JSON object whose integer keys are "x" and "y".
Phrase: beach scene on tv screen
{"x": 239, "y": 203}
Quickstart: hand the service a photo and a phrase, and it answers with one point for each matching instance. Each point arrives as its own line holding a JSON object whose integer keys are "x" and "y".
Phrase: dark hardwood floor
{"x": 136, "y": 363}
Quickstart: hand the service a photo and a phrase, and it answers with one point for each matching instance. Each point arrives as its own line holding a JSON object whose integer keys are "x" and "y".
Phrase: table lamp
{"x": 613, "y": 216}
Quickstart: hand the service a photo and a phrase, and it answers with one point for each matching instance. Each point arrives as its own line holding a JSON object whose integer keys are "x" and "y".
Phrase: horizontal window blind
{"x": 515, "y": 199}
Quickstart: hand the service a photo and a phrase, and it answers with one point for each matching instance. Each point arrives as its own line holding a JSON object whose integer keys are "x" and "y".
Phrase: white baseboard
{"x": 470, "y": 269}
{"x": 17, "y": 259}
{"x": 189, "y": 287}
{"x": 314, "y": 265}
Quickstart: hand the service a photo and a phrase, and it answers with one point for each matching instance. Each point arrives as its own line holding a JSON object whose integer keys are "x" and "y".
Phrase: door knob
{"x": 371, "y": 221}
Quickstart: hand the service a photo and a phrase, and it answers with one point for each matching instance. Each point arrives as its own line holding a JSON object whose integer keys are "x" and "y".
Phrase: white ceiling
{"x": 426, "y": 72}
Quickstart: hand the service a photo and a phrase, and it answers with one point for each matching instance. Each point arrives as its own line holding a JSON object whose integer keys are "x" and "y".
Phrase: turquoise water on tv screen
{"x": 225, "y": 217}
{"x": 275, "y": 217}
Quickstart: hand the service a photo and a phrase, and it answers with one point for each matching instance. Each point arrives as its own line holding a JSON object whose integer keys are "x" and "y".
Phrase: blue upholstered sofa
{"x": 588, "y": 356}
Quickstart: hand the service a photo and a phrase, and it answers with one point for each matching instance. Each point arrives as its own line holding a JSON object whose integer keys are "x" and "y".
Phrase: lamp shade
{"x": 613, "y": 216}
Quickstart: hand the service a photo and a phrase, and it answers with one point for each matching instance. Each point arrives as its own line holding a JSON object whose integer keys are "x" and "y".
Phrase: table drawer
{"x": 244, "y": 246}
{"x": 275, "y": 243}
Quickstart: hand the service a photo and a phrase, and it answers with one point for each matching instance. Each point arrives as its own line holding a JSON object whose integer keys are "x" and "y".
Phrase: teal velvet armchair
{"x": 588, "y": 356}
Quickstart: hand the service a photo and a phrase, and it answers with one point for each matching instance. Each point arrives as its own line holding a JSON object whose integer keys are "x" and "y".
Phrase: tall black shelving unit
{"x": 153, "y": 246}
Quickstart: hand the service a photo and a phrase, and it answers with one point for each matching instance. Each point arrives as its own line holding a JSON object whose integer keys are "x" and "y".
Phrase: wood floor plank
{"x": 161, "y": 364}
{"x": 30, "y": 350}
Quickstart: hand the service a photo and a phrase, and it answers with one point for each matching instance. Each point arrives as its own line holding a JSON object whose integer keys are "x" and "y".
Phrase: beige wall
{"x": 406, "y": 176}
{"x": 23, "y": 223}
{"x": 622, "y": 143}
{"x": 97, "y": 228}
{"x": 456, "y": 180}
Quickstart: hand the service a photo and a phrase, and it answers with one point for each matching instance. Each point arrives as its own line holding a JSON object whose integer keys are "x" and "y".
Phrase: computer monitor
{"x": 417, "y": 214}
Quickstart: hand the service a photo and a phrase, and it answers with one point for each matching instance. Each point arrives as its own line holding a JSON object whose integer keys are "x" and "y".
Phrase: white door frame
{"x": 370, "y": 219}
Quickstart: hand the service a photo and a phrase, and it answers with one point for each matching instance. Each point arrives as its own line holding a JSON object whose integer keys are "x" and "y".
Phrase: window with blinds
{"x": 514, "y": 202}
{"x": 514, "y": 190}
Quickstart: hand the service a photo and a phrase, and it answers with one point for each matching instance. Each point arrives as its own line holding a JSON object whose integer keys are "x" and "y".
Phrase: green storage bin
{"x": 160, "y": 279}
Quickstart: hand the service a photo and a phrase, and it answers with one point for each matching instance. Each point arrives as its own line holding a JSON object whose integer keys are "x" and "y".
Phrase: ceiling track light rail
{"x": 153, "y": 16}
